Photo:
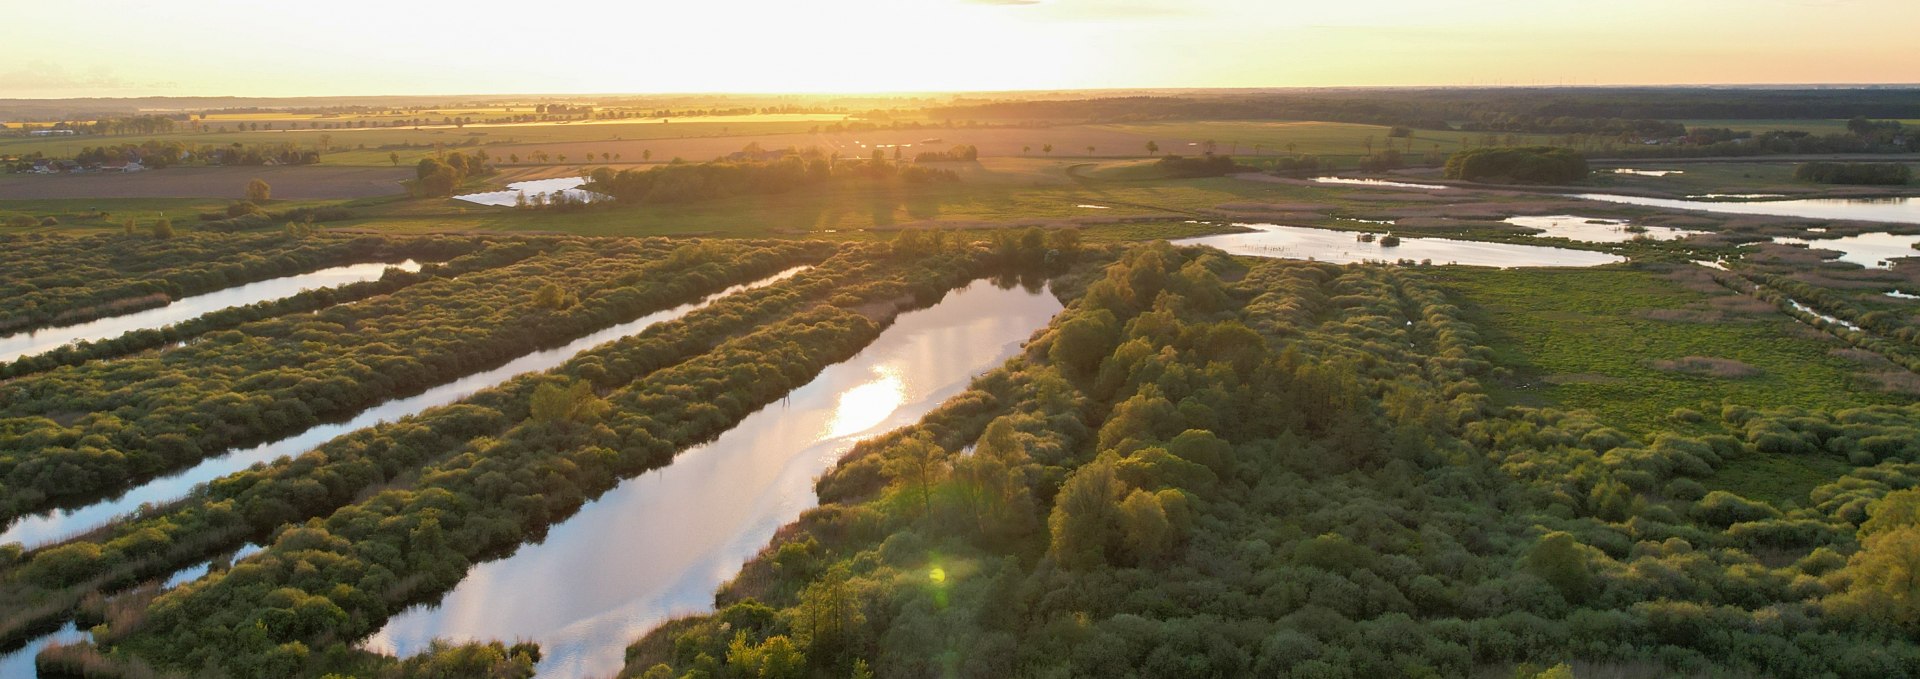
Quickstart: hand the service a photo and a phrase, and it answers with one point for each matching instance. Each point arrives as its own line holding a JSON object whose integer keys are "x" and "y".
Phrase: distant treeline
{"x": 1204, "y": 166}
{"x": 159, "y": 154}
{"x": 683, "y": 182}
{"x": 1854, "y": 173}
{"x": 1638, "y": 111}
{"x": 964, "y": 152}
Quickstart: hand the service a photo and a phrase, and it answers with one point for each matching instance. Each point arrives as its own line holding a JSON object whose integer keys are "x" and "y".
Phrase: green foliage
{"x": 573, "y": 403}
{"x": 1854, "y": 173}
{"x": 1527, "y": 165}
{"x": 1561, "y": 560}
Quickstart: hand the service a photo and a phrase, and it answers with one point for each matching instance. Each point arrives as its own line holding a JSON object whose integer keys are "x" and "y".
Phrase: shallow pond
{"x": 1647, "y": 173}
{"x": 659, "y": 544}
{"x": 511, "y": 197}
{"x": 1377, "y": 182}
{"x": 1592, "y": 230}
{"x": 1901, "y": 210}
{"x": 60, "y": 524}
{"x": 47, "y": 339}
{"x": 1870, "y": 250}
{"x": 1341, "y": 247}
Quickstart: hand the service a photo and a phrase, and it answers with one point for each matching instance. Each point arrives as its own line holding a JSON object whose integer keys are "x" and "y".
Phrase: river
{"x": 659, "y": 544}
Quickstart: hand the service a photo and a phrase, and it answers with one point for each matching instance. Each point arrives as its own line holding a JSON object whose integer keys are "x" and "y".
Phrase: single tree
{"x": 1153, "y": 148}
{"x": 394, "y": 157}
{"x": 163, "y": 228}
{"x": 258, "y": 191}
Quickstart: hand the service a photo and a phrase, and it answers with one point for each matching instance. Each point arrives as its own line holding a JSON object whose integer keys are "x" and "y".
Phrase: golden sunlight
{"x": 866, "y": 406}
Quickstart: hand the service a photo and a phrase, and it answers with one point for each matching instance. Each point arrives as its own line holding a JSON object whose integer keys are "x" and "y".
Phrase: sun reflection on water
{"x": 866, "y": 406}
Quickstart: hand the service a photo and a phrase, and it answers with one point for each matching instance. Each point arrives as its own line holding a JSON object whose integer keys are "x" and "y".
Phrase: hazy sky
{"x": 247, "y": 47}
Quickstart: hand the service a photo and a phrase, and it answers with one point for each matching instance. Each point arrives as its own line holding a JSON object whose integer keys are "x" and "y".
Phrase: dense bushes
{"x": 59, "y": 279}
{"x": 1854, "y": 173}
{"x": 496, "y": 254}
{"x": 474, "y": 502}
{"x": 1529, "y": 165}
{"x": 1206, "y": 166}
{"x": 1359, "y": 509}
{"x": 276, "y": 376}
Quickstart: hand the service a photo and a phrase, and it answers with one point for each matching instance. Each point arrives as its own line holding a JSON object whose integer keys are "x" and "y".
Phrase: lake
{"x": 60, "y": 524}
{"x": 511, "y": 197}
{"x": 1341, "y": 247}
{"x": 659, "y": 544}
{"x": 40, "y": 341}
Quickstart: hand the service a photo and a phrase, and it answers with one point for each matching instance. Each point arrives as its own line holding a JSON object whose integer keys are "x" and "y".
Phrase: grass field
{"x": 296, "y": 182}
{"x": 1594, "y": 339}
{"x": 1590, "y": 338}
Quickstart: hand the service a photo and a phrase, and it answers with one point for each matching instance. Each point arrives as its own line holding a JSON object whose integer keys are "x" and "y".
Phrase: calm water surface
{"x": 510, "y": 197}
{"x": 1899, "y": 210}
{"x": 59, "y": 524}
{"x": 1377, "y": 182}
{"x": 47, "y": 339}
{"x": 1870, "y": 250}
{"x": 1595, "y": 230}
{"x": 659, "y": 544}
{"x": 1340, "y": 247}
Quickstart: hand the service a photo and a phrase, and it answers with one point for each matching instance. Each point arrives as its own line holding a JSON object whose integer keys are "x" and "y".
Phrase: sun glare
{"x": 866, "y": 406}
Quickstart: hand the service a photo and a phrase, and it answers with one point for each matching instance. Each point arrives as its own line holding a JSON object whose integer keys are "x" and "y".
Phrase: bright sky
{"x": 342, "y": 47}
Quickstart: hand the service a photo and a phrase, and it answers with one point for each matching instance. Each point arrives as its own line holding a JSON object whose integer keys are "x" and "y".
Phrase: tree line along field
{"x": 1206, "y": 465}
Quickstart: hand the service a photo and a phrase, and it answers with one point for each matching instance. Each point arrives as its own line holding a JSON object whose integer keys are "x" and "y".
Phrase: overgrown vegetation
{"x": 1854, "y": 173}
{"x": 1528, "y": 165}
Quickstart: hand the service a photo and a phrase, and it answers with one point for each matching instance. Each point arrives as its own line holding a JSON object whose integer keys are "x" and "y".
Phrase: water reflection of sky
{"x": 56, "y": 524}
{"x": 47, "y": 339}
{"x": 1905, "y": 210}
{"x": 1342, "y": 247}
{"x": 659, "y": 544}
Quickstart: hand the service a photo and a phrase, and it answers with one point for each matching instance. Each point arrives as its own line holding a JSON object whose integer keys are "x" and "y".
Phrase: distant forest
{"x": 1547, "y": 110}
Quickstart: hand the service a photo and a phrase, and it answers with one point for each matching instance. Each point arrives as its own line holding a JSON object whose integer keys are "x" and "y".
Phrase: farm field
{"x": 288, "y": 182}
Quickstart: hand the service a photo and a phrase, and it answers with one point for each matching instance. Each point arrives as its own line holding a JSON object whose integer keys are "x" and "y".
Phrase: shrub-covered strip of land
{"x": 575, "y": 444}
{"x": 308, "y": 301}
{"x": 61, "y": 280}
{"x": 90, "y": 428}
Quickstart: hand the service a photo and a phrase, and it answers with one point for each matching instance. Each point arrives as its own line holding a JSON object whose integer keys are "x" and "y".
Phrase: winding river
{"x": 60, "y": 524}
{"x": 659, "y": 544}
{"x": 40, "y": 341}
